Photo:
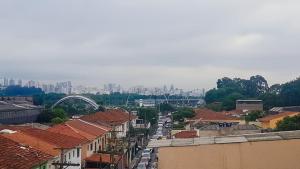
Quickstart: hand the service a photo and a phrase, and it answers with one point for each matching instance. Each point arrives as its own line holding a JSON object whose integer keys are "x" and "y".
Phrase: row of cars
{"x": 145, "y": 159}
{"x": 164, "y": 123}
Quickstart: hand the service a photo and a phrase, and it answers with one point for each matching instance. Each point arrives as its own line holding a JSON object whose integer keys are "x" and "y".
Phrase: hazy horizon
{"x": 186, "y": 43}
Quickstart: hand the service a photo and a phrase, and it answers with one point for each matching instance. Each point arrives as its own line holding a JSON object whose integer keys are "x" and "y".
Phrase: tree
{"x": 21, "y": 91}
{"x": 148, "y": 114}
{"x": 253, "y": 115}
{"x": 165, "y": 107}
{"x": 229, "y": 101}
{"x": 183, "y": 113}
{"x": 47, "y": 115}
{"x": 57, "y": 120}
{"x": 289, "y": 123}
{"x": 59, "y": 112}
{"x": 260, "y": 83}
{"x": 290, "y": 93}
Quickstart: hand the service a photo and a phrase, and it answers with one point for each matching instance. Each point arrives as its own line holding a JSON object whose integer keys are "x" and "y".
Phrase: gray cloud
{"x": 151, "y": 42}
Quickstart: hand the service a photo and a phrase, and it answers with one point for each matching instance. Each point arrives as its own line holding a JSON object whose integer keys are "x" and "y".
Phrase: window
{"x": 78, "y": 152}
{"x": 91, "y": 146}
{"x": 69, "y": 156}
{"x": 73, "y": 153}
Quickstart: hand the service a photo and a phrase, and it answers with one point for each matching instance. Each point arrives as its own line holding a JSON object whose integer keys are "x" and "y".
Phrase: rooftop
{"x": 110, "y": 117}
{"x": 275, "y": 116}
{"x": 105, "y": 158}
{"x": 59, "y": 140}
{"x": 284, "y": 135}
{"x": 33, "y": 142}
{"x": 209, "y": 115}
{"x": 6, "y": 106}
{"x": 27, "y": 157}
{"x": 186, "y": 134}
{"x": 87, "y": 129}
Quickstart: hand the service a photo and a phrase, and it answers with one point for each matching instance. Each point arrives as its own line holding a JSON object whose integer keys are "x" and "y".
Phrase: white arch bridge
{"x": 79, "y": 97}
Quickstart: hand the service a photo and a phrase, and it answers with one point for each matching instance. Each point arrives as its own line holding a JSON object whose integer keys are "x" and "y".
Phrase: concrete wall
{"x": 224, "y": 132}
{"x": 281, "y": 154}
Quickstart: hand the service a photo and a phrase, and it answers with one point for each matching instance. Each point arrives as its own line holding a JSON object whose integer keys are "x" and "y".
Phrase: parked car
{"x": 142, "y": 166}
{"x": 145, "y": 160}
{"x": 149, "y": 149}
{"x": 146, "y": 155}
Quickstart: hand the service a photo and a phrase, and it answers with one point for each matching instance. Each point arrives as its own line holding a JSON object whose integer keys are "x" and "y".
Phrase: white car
{"x": 142, "y": 166}
{"x": 145, "y": 160}
{"x": 146, "y": 155}
{"x": 149, "y": 149}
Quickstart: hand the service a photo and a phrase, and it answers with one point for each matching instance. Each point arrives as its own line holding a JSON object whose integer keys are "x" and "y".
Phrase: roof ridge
{"x": 93, "y": 125}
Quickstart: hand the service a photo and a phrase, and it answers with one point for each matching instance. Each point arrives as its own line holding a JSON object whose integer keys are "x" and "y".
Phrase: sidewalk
{"x": 136, "y": 160}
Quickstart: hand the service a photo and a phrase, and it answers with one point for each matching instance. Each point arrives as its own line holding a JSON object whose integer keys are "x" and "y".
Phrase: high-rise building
{"x": 5, "y": 81}
{"x": 20, "y": 82}
{"x": 12, "y": 82}
{"x": 31, "y": 83}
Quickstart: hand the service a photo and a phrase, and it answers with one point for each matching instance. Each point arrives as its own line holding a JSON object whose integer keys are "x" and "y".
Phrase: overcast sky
{"x": 188, "y": 43}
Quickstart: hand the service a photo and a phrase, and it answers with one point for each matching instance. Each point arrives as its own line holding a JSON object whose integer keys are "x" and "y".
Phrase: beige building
{"x": 249, "y": 105}
{"x": 258, "y": 151}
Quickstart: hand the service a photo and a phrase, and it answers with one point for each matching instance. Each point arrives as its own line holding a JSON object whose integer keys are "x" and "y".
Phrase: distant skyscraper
{"x": 31, "y": 83}
{"x": 12, "y": 82}
{"x": 5, "y": 81}
{"x": 20, "y": 82}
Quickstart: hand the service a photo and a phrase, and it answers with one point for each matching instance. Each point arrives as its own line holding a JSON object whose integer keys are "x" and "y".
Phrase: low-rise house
{"x": 186, "y": 134}
{"x": 71, "y": 146}
{"x": 205, "y": 116}
{"x": 114, "y": 118}
{"x": 277, "y": 110}
{"x": 249, "y": 105}
{"x": 95, "y": 136}
{"x": 104, "y": 161}
{"x": 270, "y": 121}
{"x": 118, "y": 120}
{"x": 216, "y": 130}
{"x": 14, "y": 155}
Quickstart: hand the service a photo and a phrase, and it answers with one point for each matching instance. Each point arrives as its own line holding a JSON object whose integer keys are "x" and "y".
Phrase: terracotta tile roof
{"x": 105, "y": 158}
{"x": 67, "y": 130}
{"x": 110, "y": 117}
{"x": 271, "y": 117}
{"x": 186, "y": 134}
{"x": 59, "y": 140}
{"x": 15, "y": 156}
{"x": 33, "y": 142}
{"x": 209, "y": 115}
{"x": 87, "y": 129}
{"x": 14, "y": 127}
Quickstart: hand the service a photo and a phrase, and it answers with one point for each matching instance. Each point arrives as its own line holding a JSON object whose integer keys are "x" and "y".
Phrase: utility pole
{"x": 129, "y": 141}
{"x": 63, "y": 164}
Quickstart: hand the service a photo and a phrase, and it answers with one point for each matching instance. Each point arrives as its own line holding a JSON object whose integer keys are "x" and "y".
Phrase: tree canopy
{"x": 289, "y": 123}
{"x": 183, "y": 113}
{"x": 256, "y": 87}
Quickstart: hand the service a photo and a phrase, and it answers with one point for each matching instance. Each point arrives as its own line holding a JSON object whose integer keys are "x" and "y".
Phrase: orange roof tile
{"x": 88, "y": 129}
{"x": 66, "y": 129}
{"x": 110, "y": 117}
{"x": 60, "y": 140}
{"x": 15, "y": 156}
{"x": 28, "y": 140}
{"x": 271, "y": 117}
{"x": 186, "y": 134}
{"x": 209, "y": 115}
{"x": 105, "y": 158}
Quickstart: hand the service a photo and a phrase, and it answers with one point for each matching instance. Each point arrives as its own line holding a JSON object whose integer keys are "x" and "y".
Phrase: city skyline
{"x": 189, "y": 44}
{"x": 67, "y": 87}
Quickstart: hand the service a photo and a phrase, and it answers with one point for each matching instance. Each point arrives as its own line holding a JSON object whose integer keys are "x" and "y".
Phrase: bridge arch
{"x": 87, "y": 100}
